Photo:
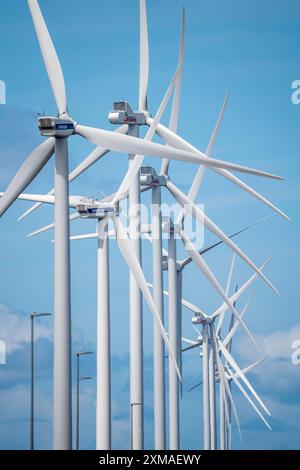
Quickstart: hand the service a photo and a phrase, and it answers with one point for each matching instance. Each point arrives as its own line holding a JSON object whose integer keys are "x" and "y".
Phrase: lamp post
{"x": 79, "y": 379}
{"x": 32, "y": 317}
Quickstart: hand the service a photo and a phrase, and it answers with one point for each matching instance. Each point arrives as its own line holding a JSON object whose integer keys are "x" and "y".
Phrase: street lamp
{"x": 79, "y": 379}
{"x": 32, "y": 317}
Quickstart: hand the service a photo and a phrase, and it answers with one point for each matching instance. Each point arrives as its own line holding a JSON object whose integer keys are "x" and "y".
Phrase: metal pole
{"x": 212, "y": 395}
{"x": 158, "y": 343}
{"x": 205, "y": 369}
{"x": 222, "y": 418}
{"x": 32, "y": 384}
{"x": 136, "y": 314}
{"x": 77, "y": 401}
{"x": 79, "y": 379}
{"x": 62, "y": 387}
{"x": 179, "y": 323}
{"x": 103, "y": 404}
{"x": 173, "y": 337}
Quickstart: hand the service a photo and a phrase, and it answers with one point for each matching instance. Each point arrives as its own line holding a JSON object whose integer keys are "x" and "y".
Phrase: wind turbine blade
{"x": 195, "y": 187}
{"x": 234, "y": 179}
{"x": 138, "y": 160}
{"x": 241, "y": 388}
{"x": 189, "y": 341}
{"x": 188, "y": 260}
{"x": 197, "y": 330}
{"x": 173, "y": 140}
{"x": 192, "y": 347}
{"x": 87, "y": 236}
{"x": 184, "y": 302}
{"x": 136, "y": 146}
{"x": 229, "y": 279}
{"x": 241, "y": 290}
{"x": 34, "y": 207}
{"x": 229, "y": 358}
{"x": 224, "y": 381}
{"x": 144, "y": 57}
{"x": 35, "y": 197}
{"x": 202, "y": 218}
{"x": 195, "y": 386}
{"x": 218, "y": 125}
{"x": 192, "y": 307}
{"x": 26, "y": 173}
{"x": 248, "y": 369}
{"x": 233, "y": 329}
{"x": 50, "y": 57}
{"x": 125, "y": 247}
{"x": 173, "y": 123}
{"x": 49, "y": 227}
{"x": 199, "y": 261}
{"x": 174, "y": 117}
{"x": 221, "y": 318}
{"x": 92, "y": 158}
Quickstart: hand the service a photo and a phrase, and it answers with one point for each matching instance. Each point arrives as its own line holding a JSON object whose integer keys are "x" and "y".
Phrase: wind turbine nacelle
{"x": 200, "y": 319}
{"x": 96, "y": 211}
{"x": 149, "y": 177}
{"x": 165, "y": 265}
{"x": 55, "y": 127}
{"x": 123, "y": 114}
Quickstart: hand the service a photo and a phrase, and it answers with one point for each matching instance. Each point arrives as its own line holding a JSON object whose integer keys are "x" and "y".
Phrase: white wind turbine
{"x": 63, "y": 128}
{"x": 132, "y": 174}
{"x": 121, "y": 117}
{"x": 174, "y": 320}
{"x": 147, "y": 230}
{"x": 212, "y": 367}
{"x": 211, "y": 376}
{"x": 122, "y": 191}
{"x": 177, "y": 267}
{"x": 101, "y": 211}
{"x": 168, "y": 135}
{"x": 196, "y": 184}
{"x": 58, "y": 129}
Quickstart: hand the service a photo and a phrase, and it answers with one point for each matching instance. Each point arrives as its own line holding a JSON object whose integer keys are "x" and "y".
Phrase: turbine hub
{"x": 123, "y": 114}
{"x": 96, "y": 210}
{"x": 201, "y": 319}
{"x": 56, "y": 127}
{"x": 149, "y": 177}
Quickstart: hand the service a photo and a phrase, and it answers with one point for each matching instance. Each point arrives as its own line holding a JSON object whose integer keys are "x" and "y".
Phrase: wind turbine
{"x": 103, "y": 211}
{"x": 158, "y": 353}
{"x": 232, "y": 374}
{"x": 96, "y": 136}
{"x": 175, "y": 298}
{"x": 58, "y": 129}
{"x": 103, "y": 356}
{"x": 206, "y": 341}
{"x": 174, "y": 401}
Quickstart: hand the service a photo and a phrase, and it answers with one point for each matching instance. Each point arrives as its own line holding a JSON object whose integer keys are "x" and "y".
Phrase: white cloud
{"x": 15, "y": 329}
{"x": 277, "y": 375}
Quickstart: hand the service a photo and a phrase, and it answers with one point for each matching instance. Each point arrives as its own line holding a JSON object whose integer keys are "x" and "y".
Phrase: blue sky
{"x": 249, "y": 47}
